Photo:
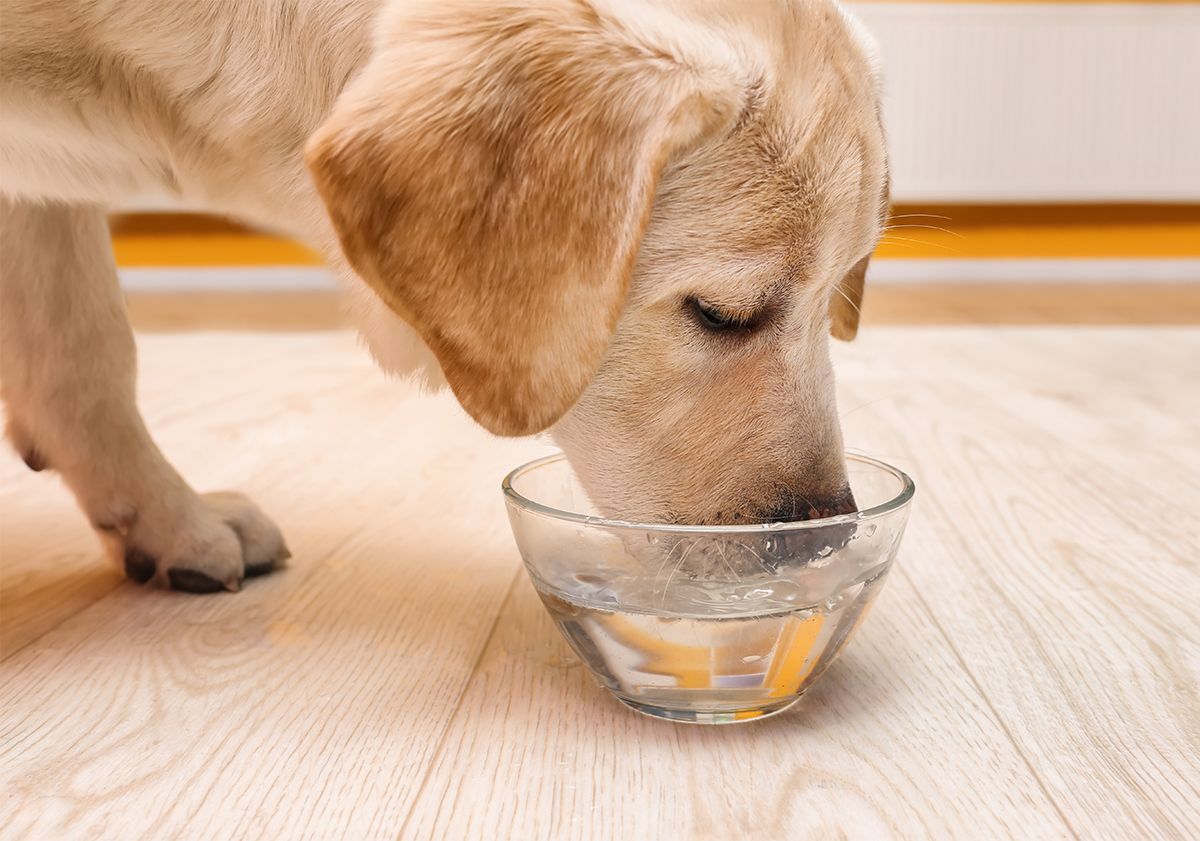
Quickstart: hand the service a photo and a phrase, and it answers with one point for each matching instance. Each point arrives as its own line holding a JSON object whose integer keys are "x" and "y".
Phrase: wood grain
{"x": 1032, "y": 670}
{"x": 1064, "y": 572}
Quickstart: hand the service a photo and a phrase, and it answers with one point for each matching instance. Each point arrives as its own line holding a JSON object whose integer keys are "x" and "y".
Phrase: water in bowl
{"x": 707, "y": 652}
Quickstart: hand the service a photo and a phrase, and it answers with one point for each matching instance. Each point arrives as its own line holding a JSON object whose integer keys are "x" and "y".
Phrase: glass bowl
{"x": 706, "y": 624}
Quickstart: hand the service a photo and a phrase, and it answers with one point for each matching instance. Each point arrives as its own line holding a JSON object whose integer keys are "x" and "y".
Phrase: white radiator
{"x": 1041, "y": 102}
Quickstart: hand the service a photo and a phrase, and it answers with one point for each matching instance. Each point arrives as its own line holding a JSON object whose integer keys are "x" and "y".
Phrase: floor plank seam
{"x": 991, "y": 707}
{"x": 6, "y": 655}
{"x": 441, "y": 742}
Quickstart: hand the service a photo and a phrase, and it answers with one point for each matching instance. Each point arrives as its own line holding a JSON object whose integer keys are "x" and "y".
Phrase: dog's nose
{"x": 815, "y": 507}
{"x": 803, "y": 544}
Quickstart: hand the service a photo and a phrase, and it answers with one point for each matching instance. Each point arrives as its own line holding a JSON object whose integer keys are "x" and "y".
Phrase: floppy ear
{"x": 490, "y": 174}
{"x": 845, "y": 305}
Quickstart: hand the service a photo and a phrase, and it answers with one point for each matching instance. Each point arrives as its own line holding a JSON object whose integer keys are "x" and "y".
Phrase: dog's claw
{"x": 265, "y": 567}
{"x": 255, "y": 570}
{"x": 193, "y": 581}
{"x": 139, "y": 566}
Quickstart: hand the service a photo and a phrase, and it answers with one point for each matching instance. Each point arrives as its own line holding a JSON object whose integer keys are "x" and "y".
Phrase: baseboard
{"x": 216, "y": 279}
{"x": 299, "y": 279}
{"x": 923, "y": 233}
{"x": 1035, "y": 271}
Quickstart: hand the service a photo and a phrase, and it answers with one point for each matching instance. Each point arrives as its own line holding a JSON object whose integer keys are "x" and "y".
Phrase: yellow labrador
{"x": 630, "y": 222}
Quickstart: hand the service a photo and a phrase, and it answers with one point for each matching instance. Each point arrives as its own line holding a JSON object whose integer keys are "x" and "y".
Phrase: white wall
{"x": 1041, "y": 102}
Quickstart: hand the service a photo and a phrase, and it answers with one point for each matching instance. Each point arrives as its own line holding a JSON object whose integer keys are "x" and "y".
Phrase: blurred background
{"x": 1046, "y": 169}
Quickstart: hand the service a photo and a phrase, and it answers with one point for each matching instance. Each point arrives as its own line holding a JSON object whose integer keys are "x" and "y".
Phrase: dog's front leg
{"x": 67, "y": 370}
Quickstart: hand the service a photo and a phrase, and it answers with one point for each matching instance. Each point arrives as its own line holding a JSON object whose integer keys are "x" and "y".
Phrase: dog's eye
{"x": 717, "y": 319}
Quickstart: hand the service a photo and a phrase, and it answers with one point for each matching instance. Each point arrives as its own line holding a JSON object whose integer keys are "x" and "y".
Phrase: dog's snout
{"x": 815, "y": 507}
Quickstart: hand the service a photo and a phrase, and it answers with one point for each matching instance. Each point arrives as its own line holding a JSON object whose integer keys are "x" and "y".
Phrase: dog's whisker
{"x": 887, "y": 240}
{"x": 733, "y": 573}
{"x": 682, "y": 560}
{"x": 761, "y": 560}
{"x": 925, "y": 227}
{"x": 666, "y": 561}
{"x": 868, "y": 403}
{"x": 893, "y": 239}
{"x": 848, "y": 301}
{"x": 918, "y": 216}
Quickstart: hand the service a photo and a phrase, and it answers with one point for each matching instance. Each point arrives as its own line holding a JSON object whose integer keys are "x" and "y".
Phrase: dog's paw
{"x": 219, "y": 540}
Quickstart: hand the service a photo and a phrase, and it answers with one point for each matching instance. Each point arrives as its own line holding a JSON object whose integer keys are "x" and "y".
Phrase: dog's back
{"x": 208, "y": 102}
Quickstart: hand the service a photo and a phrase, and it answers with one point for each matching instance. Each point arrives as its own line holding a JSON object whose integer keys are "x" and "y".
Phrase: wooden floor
{"x": 1031, "y": 670}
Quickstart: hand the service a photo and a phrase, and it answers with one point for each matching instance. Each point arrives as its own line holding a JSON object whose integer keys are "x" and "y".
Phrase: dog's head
{"x": 633, "y": 224}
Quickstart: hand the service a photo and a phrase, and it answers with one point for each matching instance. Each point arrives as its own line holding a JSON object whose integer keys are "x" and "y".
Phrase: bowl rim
{"x": 907, "y": 489}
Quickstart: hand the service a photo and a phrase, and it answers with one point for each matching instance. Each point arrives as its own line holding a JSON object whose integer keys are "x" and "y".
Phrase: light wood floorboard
{"x": 1030, "y": 671}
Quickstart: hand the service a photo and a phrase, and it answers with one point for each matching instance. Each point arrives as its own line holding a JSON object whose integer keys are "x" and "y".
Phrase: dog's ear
{"x": 846, "y": 303}
{"x": 490, "y": 174}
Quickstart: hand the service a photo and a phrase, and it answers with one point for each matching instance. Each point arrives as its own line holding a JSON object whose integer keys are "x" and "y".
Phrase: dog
{"x": 632, "y": 223}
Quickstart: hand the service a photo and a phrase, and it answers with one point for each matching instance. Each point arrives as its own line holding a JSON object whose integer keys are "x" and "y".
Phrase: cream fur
{"x": 666, "y": 150}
